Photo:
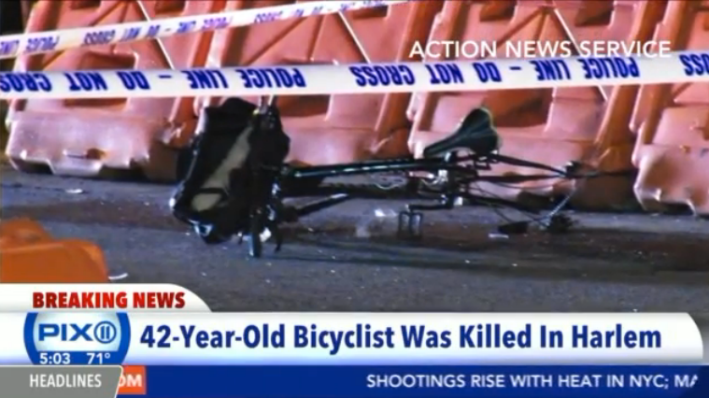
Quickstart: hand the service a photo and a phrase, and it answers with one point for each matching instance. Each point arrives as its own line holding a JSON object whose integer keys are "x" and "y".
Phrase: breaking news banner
{"x": 366, "y": 78}
{"x": 12, "y": 46}
{"x": 163, "y": 341}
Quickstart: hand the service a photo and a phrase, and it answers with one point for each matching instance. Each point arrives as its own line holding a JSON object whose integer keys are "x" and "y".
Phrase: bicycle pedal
{"x": 410, "y": 225}
{"x": 416, "y": 226}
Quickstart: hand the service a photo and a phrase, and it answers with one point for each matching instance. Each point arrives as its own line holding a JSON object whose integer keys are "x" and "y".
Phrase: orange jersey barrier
{"x": 661, "y": 131}
{"x": 89, "y": 137}
{"x": 672, "y": 150}
{"x": 552, "y": 126}
{"x": 29, "y": 254}
{"x": 21, "y": 231}
{"x": 66, "y": 261}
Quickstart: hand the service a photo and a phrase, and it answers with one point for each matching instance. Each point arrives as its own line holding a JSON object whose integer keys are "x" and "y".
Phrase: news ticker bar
{"x": 362, "y": 382}
{"x": 59, "y": 381}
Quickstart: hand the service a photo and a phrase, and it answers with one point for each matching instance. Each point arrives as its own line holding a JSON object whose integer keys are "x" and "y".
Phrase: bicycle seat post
{"x": 262, "y": 105}
{"x": 265, "y": 104}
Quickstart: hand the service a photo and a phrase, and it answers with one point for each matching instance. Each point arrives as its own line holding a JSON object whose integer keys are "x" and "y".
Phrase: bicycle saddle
{"x": 204, "y": 167}
{"x": 231, "y": 169}
{"x": 475, "y": 133}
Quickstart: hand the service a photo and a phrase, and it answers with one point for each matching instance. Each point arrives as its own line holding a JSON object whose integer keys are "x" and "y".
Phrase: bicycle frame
{"x": 266, "y": 182}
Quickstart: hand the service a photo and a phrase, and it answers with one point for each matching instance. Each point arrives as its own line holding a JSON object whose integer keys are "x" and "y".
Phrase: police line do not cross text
{"x": 359, "y": 78}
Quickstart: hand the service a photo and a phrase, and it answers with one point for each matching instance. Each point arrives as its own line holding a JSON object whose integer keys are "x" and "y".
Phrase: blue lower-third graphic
{"x": 77, "y": 338}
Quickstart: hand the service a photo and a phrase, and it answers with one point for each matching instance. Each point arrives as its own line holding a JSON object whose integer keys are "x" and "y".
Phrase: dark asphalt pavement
{"x": 609, "y": 262}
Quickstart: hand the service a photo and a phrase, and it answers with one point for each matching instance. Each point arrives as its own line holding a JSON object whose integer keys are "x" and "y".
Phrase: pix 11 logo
{"x": 77, "y": 338}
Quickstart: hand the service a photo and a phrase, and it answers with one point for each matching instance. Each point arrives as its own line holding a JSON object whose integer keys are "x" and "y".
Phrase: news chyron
{"x": 77, "y": 338}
